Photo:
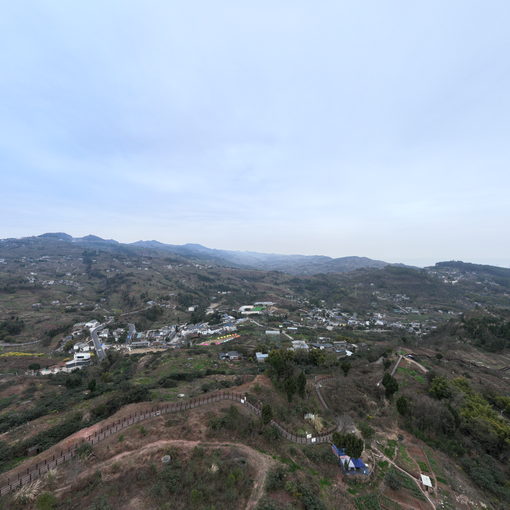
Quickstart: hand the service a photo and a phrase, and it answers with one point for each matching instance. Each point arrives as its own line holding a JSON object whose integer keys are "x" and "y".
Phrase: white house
{"x": 261, "y": 357}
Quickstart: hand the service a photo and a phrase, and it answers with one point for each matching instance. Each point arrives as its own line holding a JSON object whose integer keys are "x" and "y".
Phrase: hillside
{"x": 293, "y": 264}
{"x": 169, "y": 323}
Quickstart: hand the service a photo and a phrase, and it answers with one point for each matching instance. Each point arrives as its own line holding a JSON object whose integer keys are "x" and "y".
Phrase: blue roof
{"x": 337, "y": 451}
{"x": 358, "y": 463}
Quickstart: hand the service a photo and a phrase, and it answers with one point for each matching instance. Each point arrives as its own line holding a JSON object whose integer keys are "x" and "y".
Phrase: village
{"x": 307, "y": 329}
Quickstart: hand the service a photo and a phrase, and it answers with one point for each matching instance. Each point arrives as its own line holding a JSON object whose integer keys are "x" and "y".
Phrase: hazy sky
{"x": 377, "y": 128}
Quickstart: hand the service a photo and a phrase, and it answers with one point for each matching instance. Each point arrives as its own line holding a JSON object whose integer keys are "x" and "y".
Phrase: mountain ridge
{"x": 295, "y": 264}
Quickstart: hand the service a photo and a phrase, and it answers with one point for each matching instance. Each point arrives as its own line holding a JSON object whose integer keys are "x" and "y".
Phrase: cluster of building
{"x": 331, "y": 319}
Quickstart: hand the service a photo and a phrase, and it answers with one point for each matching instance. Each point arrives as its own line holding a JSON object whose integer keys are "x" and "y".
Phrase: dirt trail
{"x": 419, "y": 365}
{"x": 318, "y": 385}
{"x": 259, "y": 461}
{"x": 381, "y": 454}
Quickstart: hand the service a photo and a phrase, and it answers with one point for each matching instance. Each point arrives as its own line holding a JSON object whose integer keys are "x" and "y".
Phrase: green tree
{"x": 439, "y": 388}
{"x": 290, "y": 387}
{"x": 390, "y": 385}
{"x": 350, "y": 443}
{"x": 353, "y": 445}
{"x": 281, "y": 363}
{"x": 267, "y": 414}
{"x": 338, "y": 439}
{"x": 92, "y": 385}
{"x": 403, "y": 405}
{"x": 345, "y": 366}
{"x": 301, "y": 384}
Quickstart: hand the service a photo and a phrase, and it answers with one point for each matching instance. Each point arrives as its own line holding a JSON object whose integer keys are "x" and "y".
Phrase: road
{"x": 97, "y": 343}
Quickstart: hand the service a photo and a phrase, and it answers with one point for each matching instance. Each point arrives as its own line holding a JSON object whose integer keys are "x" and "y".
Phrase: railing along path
{"x": 63, "y": 455}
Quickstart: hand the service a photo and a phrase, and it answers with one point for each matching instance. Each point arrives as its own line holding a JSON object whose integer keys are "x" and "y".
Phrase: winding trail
{"x": 67, "y": 449}
{"x": 260, "y": 462}
{"x": 18, "y": 477}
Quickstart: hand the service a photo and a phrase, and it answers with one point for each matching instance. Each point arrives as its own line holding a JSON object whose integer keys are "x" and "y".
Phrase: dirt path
{"x": 419, "y": 365}
{"x": 381, "y": 454}
{"x": 318, "y": 386}
{"x": 259, "y": 461}
{"x": 392, "y": 373}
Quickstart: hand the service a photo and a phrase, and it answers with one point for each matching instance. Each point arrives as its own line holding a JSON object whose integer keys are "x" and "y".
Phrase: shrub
{"x": 46, "y": 501}
{"x": 403, "y": 405}
{"x": 439, "y": 388}
{"x": 390, "y": 385}
{"x": 392, "y": 480}
{"x": 276, "y": 478}
{"x": 267, "y": 414}
{"x": 84, "y": 450}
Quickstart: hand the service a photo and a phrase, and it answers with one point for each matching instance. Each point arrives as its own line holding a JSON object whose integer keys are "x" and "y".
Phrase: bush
{"x": 392, "y": 480}
{"x": 403, "y": 405}
{"x": 366, "y": 430}
{"x": 267, "y": 414}
{"x": 439, "y": 388}
{"x": 390, "y": 385}
{"x": 487, "y": 475}
{"x": 310, "y": 499}
{"x": 46, "y": 501}
{"x": 84, "y": 450}
{"x": 276, "y": 478}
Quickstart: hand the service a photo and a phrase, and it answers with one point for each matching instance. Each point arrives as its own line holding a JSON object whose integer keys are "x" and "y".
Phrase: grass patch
{"x": 293, "y": 466}
{"x": 389, "y": 504}
{"x": 404, "y": 460}
{"x": 436, "y": 468}
{"x": 407, "y": 483}
{"x": 412, "y": 374}
{"x": 423, "y": 466}
{"x": 390, "y": 448}
{"x": 368, "y": 502}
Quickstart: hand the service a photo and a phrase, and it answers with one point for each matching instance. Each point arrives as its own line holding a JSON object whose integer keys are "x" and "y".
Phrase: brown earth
{"x": 114, "y": 466}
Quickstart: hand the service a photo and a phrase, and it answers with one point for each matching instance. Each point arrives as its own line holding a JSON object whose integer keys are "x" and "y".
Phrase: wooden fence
{"x": 34, "y": 472}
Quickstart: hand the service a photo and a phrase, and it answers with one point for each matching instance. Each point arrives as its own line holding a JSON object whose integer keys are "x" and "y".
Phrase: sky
{"x": 375, "y": 128}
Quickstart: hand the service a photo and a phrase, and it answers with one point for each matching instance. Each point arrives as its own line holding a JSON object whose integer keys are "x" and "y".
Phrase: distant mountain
{"x": 61, "y": 236}
{"x": 293, "y": 264}
{"x": 95, "y": 239}
{"x": 302, "y": 265}
{"x": 482, "y": 272}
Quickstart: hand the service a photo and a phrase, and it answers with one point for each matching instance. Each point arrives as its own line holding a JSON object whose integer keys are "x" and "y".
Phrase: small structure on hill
{"x": 230, "y": 356}
{"x": 349, "y": 465}
{"x": 426, "y": 482}
{"x": 261, "y": 357}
